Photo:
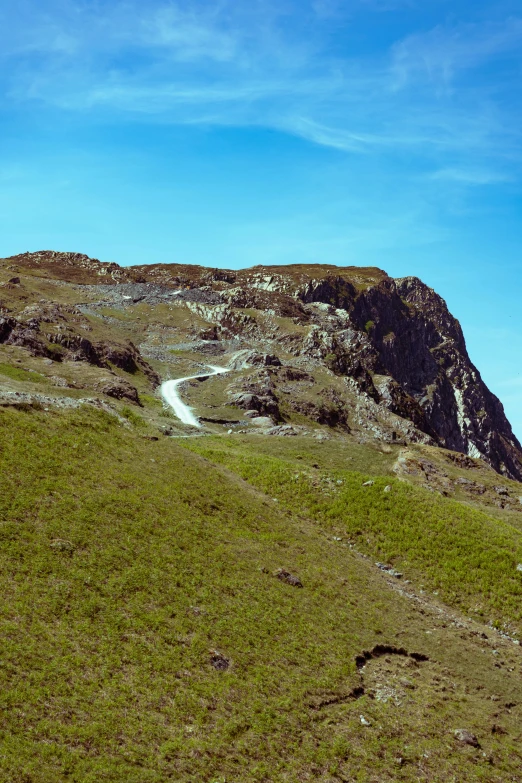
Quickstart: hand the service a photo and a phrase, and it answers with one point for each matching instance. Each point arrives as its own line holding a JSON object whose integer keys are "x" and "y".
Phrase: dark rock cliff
{"x": 412, "y": 337}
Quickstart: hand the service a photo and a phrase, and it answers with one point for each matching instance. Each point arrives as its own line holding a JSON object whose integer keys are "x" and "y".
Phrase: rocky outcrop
{"x": 73, "y": 267}
{"x": 402, "y": 331}
{"x": 64, "y": 343}
{"x": 272, "y": 302}
{"x": 119, "y": 389}
{"x": 331, "y": 414}
{"x": 266, "y": 404}
{"x": 437, "y": 371}
{"x": 226, "y": 321}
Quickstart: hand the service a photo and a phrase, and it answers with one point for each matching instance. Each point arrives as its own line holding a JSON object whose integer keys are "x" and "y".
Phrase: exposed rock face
{"x": 403, "y": 347}
{"x": 344, "y": 348}
{"x": 421, "y": 346}
{"x": 61, "y": 341}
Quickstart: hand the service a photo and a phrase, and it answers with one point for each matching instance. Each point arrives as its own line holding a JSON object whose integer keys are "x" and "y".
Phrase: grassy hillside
{"x": 470, "y": 557}
{"x": 146, "y": 638}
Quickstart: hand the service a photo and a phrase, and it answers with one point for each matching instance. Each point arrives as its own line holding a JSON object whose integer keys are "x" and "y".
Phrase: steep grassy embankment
{"x": 130, "y": 566}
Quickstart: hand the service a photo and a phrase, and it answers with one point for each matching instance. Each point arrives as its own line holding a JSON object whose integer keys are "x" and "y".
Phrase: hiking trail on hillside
{"x": 170, "y": 393}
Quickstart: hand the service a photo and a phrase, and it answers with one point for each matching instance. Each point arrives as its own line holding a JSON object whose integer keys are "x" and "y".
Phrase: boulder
{"x": 119, "y": 389}
{"x": 262, "y": 421}
{"x": 219, "y": 661}
{"x": 288, "y": 578}
{"x": 466, "y": 737}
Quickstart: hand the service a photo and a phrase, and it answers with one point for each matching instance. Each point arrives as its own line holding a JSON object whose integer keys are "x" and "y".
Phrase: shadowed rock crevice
{"x": 386, "y": 649}
{"x": 356, "y": 693}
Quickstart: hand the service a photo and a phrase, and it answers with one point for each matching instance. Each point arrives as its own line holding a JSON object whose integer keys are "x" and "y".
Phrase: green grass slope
{"x": 130, "y": 566}
{"x": 470, "y": 557}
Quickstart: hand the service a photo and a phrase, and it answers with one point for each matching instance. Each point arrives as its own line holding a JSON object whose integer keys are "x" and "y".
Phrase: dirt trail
{"x": 170, "y": 393}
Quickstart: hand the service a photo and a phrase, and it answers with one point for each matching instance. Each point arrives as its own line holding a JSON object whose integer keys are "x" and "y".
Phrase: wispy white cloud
{"x": 187, "y": 36}
{"x": 440, "y": 54}
{"x": 471, "y": 176}
{"x": 337, "y": 138}
{"x": 224, "y": 63}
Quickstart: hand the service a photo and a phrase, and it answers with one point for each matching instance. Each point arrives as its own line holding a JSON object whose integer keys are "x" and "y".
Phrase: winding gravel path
{"x": 170, "y": 393}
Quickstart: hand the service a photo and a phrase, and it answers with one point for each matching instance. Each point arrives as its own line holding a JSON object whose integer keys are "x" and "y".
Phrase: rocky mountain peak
{"x": 348, "y": 349}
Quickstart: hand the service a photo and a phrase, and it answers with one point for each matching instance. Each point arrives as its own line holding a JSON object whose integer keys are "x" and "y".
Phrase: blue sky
{"x": 371, "y": 132}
